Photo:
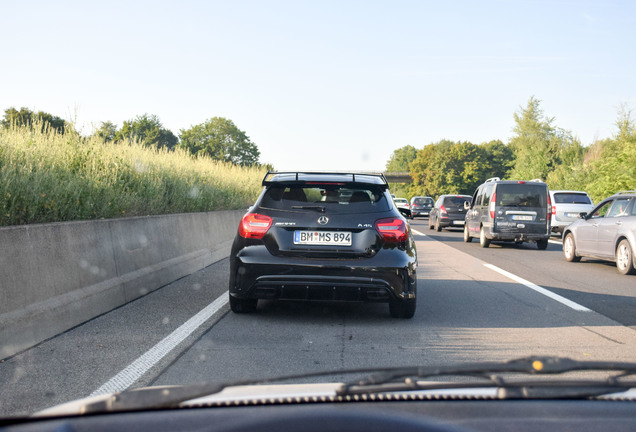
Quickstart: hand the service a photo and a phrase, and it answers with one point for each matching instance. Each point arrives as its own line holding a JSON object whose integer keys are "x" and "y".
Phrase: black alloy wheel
{"x": 483, "y": 241}
{"x": 243, "y": 305}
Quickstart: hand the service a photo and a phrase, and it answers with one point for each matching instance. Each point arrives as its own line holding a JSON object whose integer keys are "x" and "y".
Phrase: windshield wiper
{"x": 320, "y": 209}
{"x": 406, "y": 378}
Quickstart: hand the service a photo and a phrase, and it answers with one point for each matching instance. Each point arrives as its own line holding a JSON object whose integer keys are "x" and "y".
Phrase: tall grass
{"x": 48, "y": 177}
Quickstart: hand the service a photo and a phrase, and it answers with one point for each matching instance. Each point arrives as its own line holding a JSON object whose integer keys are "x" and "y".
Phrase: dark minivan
{"x": 509, "y": 210}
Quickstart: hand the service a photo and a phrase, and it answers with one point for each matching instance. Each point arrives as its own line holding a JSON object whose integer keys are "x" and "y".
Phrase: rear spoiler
{"x": 295, "y": 177}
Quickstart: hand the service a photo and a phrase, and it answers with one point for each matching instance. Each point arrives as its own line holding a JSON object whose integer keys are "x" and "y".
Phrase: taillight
{"x": 392, "y": 229}
{"x": 492, "y": 204}
{"x": 254, "y": 225}
{"x": 442, "y": 210}
{"x": 551, "y": 210}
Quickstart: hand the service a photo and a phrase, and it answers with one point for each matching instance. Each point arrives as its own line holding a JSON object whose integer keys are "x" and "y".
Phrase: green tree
{"x": 220, "y": 139}
{"x": 107, "y": 131}
{"x": 149, "y": 130}
{"x": 538, "y": 145}
{"x": 26, "y": 117}
{"x": 499, "y": 159}
{"x": 401, "y": 159}
{"x": 615, "y": 167}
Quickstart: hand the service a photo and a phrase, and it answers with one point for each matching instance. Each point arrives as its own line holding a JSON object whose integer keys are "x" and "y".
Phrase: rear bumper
{"x": 515, "y": 236}
{"x": 452, "y": 221}
{"x": 256, "y": 274}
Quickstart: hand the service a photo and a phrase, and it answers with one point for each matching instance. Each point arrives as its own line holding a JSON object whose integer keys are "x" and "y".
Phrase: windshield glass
{"x": 339, "y": 199}
{"x": 522, "y": 195}
{"x": 571, "y": 198}
{"x": 219, "y": 191}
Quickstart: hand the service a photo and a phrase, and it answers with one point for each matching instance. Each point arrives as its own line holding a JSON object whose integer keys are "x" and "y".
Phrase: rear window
{"x": 333, "y": 197}
{"x": 571, "y": 198}
{"x": 423, "y": 201}
{"x": 457, "y": 201}
{"x": 522, "y": 195}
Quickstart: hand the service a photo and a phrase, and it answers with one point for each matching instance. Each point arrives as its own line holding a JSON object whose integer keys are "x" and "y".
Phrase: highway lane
{"x": 466, "y": 311}
{"x": 593, "y": 283}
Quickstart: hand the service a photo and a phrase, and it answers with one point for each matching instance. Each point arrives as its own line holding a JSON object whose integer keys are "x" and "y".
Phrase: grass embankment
{"x": 47, "y": 177}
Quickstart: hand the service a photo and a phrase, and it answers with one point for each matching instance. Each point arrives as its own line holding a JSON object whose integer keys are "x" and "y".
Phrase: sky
{"x": 324, "y": 85}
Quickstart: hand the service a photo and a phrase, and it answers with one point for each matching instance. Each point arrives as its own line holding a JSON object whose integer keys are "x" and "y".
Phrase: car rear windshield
{"x": 334, "y": 198}
{"x": 423, "y": 201}
{"x": 457, "y": 201}
{"x": 571, "y": 198}
{"x": 522, "y": 195}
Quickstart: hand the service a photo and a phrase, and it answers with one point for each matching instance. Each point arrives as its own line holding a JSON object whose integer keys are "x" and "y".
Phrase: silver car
{"x": 566, "y": 207}
{"x": 608, "y": 232}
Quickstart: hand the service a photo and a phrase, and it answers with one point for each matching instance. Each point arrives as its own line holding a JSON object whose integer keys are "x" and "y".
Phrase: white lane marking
{"x": 136, "y": 369}
{"x": 418, "y": 233}
{"x": 537, "y": 288}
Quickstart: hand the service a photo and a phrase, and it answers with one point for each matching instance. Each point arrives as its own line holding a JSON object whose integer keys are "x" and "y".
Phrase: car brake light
{"x": 254, "y": 225}
{"x": 442, "y": 210}
{"x": 551, "y": 209}
{"x": 392, "y": 229}
{"x": 491, "y": 206}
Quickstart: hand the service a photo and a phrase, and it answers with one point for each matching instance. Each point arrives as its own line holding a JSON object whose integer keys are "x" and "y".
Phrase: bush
{"x": 49, "y": 177}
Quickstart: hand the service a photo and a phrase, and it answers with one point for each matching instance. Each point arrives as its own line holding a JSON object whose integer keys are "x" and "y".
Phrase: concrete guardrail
{"x": 56, "y": 276}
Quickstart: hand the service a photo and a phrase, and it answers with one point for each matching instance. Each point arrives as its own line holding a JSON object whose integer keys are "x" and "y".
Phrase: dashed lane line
{"x": 537, "y": 288}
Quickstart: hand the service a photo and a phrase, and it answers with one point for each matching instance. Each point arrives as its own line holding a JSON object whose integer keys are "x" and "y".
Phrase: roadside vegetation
{"x": 538, "y": 149}
{"x": 52, "y": 175}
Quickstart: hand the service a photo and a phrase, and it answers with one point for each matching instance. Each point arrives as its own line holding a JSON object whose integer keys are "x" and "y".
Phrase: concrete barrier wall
{"x": 56, "y": 276}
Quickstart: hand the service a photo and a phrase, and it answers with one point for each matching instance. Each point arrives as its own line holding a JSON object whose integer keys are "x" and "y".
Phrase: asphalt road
{"x": 469, "y": 309}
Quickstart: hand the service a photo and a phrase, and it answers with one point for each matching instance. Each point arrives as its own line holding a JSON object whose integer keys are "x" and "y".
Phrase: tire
{"x": 402, "y": 308}
{"x": 430, "y": 224}
{"x": 542, "y": 244}
{"x": 483, "y": 241}
{"x": 624, "y": 258}
{"x": 243, "y": 305}
{"x": 569, "y": 249}
{"x": 467, "y": 237}
{"x": 437, "y": 227}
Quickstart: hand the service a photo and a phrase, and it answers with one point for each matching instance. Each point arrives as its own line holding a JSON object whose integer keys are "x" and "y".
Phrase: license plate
{"x": 459, "y": 222}
{"x": 572, "y": 215}
{"x": 333, "y": 238}
{"x": 522, "y": 217}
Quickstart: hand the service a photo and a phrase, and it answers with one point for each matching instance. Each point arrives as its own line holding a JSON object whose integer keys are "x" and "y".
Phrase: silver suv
{"x": 566, "y": 207}
{"x": 608, "y": 232}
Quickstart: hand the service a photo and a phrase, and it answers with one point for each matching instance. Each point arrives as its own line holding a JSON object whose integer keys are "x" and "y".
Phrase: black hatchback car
{"x": 325, "y": 237}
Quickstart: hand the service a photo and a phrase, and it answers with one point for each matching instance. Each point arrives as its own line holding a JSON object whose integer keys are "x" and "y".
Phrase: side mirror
{"x": 582, "y": 215}
{"x": 466, "y": 205}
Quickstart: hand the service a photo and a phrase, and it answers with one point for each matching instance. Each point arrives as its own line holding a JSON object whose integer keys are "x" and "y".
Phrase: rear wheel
{"x": 483, "y": 241}
{"x": 437, "y": 227}
{"x": 467, "y": 237}
{"x": 542, "y": 244}
{"x": 569, "y": 249}
{"x": 402, "y": 308}
{"x": 430, "y": 223}
{"x": 624, "y": 258}
{"x": 243, "y": 305}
